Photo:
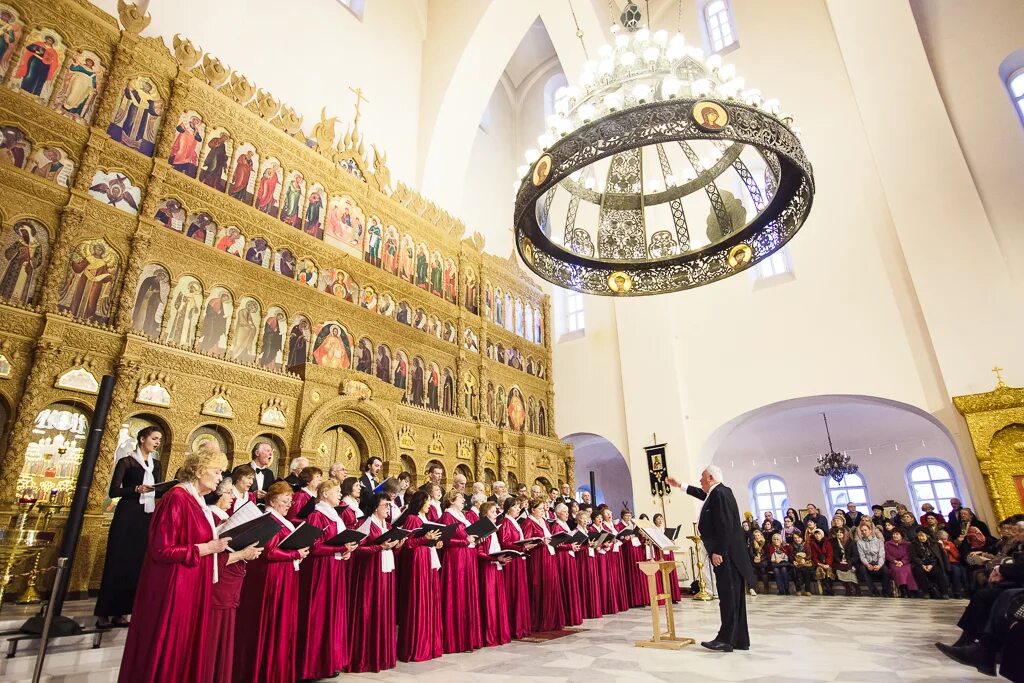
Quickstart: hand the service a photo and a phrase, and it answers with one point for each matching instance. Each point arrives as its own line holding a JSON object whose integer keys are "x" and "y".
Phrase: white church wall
{"x": 309, "y": 54}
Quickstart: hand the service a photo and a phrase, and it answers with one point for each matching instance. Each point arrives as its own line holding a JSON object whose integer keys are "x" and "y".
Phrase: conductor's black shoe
{"x": 972, "y": 655}
{"x": 741, "y": 647}
{"x": 717, "y": 646}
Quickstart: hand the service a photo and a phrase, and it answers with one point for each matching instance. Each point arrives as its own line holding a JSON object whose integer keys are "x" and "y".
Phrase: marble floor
{"x": 855, "y": 640}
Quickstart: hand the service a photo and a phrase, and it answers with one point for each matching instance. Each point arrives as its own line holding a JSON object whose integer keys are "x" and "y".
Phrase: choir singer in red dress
{"x": 169, "y": 627}
{"x": 566, "y": 557}
{"x": 587, "y": 576}
{"x": 493, "y": 602}
{"x": 309, "y": 480}
{"x": 268, "y": 613}
{"x": 546, "y": 610}
{"x": 517, "y": 586}
{"x": 459, "y": 581}
{"x": 633, "y": 553}
{"x": 419, "y": 587}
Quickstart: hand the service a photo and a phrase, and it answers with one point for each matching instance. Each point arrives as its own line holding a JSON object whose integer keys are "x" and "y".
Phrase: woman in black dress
{"x": 133, "y": 480}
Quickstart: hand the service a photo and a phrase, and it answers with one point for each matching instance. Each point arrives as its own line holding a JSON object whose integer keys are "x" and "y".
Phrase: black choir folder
{"x": 303, "y": 537}
{"x": 395, "y": 533}
{"x": 345, "y": 537}
{"x": 560, "y": 538}
{"x": 164, "y": 486}
{"x": 481, "y": 529}
{"x": 673, "y": 533}
{"x": 506, "y": 553}
{"x": 427, "y": 528}
{"x": 580, "y": 538}
{"x": 307, "y": 509}
{"x": 258, "y": 531}
{"x": 626, "y": 533}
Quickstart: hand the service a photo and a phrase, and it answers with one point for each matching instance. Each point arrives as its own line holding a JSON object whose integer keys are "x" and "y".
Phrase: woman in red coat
{"x": 493, "y": 602}
{"x": 616, "y": 567}
{"x": 268, "y": 613}
{"x": 372, "y": 595}
{"x": 323, "y": 592}
{"x": 546, "y": 610}
{"x": 820, "y": 547}
{"x": 517, "y": 587}
{"x": 459, "y": 581}
{"x": 310, "y": 479}
{"x": 572, "y": 602}
{"x": 170, "y": 617}
{"x": 419, "y": 587}
{"x": 227, "y": 589}
{"x": 587, "y": 576}
{"x": 634, "y": 551}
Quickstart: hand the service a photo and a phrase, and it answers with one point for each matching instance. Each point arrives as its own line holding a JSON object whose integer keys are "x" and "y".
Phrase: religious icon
{"x": 150, "y": 299}
{"x": 213, "y": 328}
{"x": 298, "y": 343}
{"x": 401, "y": 370}
{"x": 416, "y": 388}
{"x": 243, "y": 176}
{"x": 433, "y": 386}
{"x": 247, "y": 327}
{"x": 258, "y": 251}
{"x": 515, "y": 409}
{"x": 114, "y": 189}
{"x": 214, "y": 161}
{"x": 14, "y": 148}
{"x": 448, "y": 392}
{"x": 369, "y": 299}
{"x": 434, "y": 326}
{"x": 508, "y": 321}
{"x": 422, "y": 267}
{"x": 389, "y": 260}
{"x": 470, "y": 295}
{"x": 80, "y": 87}
{"x": 137, "y": 117}
{"x": 51, "y": 163}
{"x": 306, "y": 272}
{"x": 619, "y": 282}
{"x": 542, "y": 419}
{"x": 87, "y": 291}
{"x": 527, "y": 250}
{"x": 374, "y": 241}
{"x": 451, "y": 281}
{"x": 316, "y": 203}
{"x": 437, "y": 274}
{"x": 10, "y": 33}
{"x": 490, "y": 400}
{"x": 470, "y": 342}
{"x": 284, "y": 263}
{"x": 538, "y": 324}
{"x": 488, "y": 301}
{"x": 186, "y": 305}
{"x": 41, "y": 59}
{"x": 349, "y": 290}
{"x": 364, "y": 356}
{"x": 188, "y": 138}
{"x": 201, "y": 228}
{"x": 333, "y": 346}
{"x": 291, "y": 202}
{"x": 420, "y": 320}
{"x": 541, "y": 170}
{"x": 404, "y": 314}
{"x": 272, "y": 341}
{"x": 24, "y": 251}
{"x": 345, "y": 225}
{"x": 520, "y": 318}
{"x": 269, "y": 186}
{"x": 230, "y": 240}
{"x": 740, "y": 255}
{"x": 407, "y": 259}
{"x": 386, "y": 305}
{"x": 450, "y": 333}
{"x": 710, "y": 115}
{"x": 384, "y": 363}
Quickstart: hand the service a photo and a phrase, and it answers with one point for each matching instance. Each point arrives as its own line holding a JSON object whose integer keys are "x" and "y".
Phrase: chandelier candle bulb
{"x": 621, "y": 40}
{"x": 714, "y": 62}
{"x": 651, "y": 54}
{"x": 642, "y": 35}
{"x": 727, "y": 72}
{"x": 627, "y": 58}
{"x": 661, "y": 37}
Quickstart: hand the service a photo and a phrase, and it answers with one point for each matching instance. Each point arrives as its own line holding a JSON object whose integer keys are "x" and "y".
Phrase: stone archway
{"x": 368, "y": 426}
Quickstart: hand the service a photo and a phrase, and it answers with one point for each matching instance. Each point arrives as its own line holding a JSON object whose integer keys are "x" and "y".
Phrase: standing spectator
{"x": 930, "y": 566}
{"x": 897, "y": 555}
{"x": 814, "y": 515}
{"x": 957, "y": 574}
{"x": 931, "y": 524}
{"x": 780, "y": 560}
{"x": 853, "y": 516}
{"x": 871, "y": 556}
{"x": 954, "y": 514}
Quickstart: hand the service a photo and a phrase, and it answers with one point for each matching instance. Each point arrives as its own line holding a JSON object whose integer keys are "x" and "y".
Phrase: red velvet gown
{"x": 299, "y": 501}
{"x": 351, "y": 515}
{"x": 546, "y": 611}
{"x": 517, "y": 591}
{"x": 633, "y": 551}
{"x": 268, "y": 614}
{"x": 434, "y": 512}
{"x": 170, "y": 617}
{"x": 460, "y": 596}
{"x": 323, "y": 601}
{"x": 589, "y": 579}
{"x": 419, "y": 597}
{"x": 494, "y": 625}
{"x": 668, "y": 556}
{"x": 616, "y": 573}
{"x": 572, "y": 602}
{"x": 223, "y": 603}
{"x": 372, "y": 596}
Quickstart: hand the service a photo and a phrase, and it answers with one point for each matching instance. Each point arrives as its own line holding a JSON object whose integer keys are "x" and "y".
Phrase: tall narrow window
{"x": 776, "y": 264}
{"x": 1015, "y": 84}
{"x": 769, "y": 494}
{"x": 850, "y": 489}
{"x": 932, "y": 481}
{"x": 573, "y": 311}
{"x": 718, "y": 22}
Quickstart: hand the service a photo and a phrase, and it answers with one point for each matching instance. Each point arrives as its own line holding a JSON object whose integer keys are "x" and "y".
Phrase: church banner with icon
{"x": 657, "y": 469}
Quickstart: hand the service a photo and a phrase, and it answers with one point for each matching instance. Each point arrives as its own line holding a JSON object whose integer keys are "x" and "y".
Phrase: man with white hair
{"x": 500, "y": 493}
{"x": 298, "y": 464}
{"x": 338, "y": 472}
{"x": 720, "y": 530}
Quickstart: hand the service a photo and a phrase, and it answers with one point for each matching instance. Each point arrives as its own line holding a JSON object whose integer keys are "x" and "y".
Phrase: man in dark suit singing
{"x": 720, "y": 530}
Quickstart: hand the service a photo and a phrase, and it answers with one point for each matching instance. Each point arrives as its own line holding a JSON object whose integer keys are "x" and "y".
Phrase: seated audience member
{"x": 853, "y": 516}
{"x": 813, "y": 515}
{"x": 803, "y": 566}
{"x": 967, "y": 520}
{"x": 820, "y": 547}
{"x": 759, "y": 557}
{"x": 930, "y": 566}
{"x": 788, "y": 530}
{"x": 957, "y": 574}
{"x": 954, "y": 514}
{"x": 887, "y": 528}
{"x": 780, "y": 560}
{"x": 871, "y": 563}
{"x": 745, "y": 525}
{"x": 838, "y": 522}
{"x": 792, "y": 514}
{"x": 770, "y": 526}
{"x": 900, "y": 509}
{"x": 931, "y": 525}
{"x": 927, "y": 509}
{"x": 844, "y": 555}
{"x": 907, "y": 524}
{"x": 877, "y": 516}
{"x": 897, "y": 555}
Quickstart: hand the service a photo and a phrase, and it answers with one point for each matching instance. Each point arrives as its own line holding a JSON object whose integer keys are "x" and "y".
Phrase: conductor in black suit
{"x": 720, "y": 530}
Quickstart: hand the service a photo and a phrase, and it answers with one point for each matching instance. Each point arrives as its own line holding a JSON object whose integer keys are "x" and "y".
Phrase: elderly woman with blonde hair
{"x": 172, "y": 603}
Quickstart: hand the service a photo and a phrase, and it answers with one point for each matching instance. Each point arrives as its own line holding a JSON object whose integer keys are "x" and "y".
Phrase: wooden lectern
{"x": 667, "y": 640}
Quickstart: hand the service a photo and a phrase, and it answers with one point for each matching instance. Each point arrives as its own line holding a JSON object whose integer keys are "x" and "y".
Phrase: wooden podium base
{"x": 667, "y": 640}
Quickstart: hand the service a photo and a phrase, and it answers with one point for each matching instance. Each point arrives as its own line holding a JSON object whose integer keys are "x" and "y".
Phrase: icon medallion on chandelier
{"x": 620, "y": 283}
{"x": 541, "y": 170}
{"x": 740, "y": 255}
{"x": 710, "y": 115}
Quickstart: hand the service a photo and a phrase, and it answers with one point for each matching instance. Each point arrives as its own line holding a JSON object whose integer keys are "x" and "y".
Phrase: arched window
{"x": 1015, "y": 84}
{"x": 850, "y": 489}
{"x": 932, "y": 481}
{"x": 719, "y": 26}
{"x": 551, "y": 86}
{"x": 769, "y": 494}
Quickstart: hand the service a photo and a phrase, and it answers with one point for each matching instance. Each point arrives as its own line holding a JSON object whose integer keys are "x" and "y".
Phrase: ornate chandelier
{"x": 832, "y": 464}
{"x": 660, "y": 171}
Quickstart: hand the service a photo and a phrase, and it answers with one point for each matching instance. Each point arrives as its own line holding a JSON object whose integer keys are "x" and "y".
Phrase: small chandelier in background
{"x": 832, "y": 464}
{"x": 660, "y": 171}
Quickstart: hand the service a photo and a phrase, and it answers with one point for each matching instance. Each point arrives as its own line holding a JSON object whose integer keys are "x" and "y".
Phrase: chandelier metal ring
{"x": 659, "y": 122}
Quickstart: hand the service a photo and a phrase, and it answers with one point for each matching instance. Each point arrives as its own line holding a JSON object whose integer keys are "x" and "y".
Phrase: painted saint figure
{"x": 184, "y": 155}
{"x": 91, "y": 274}
{"x": 79, "y": 90}
{"x": 273, "y": 342}
{"x": 149, "y": 303}
{"x": 25, "y": 260}
{"x": 137, "y": 117}
{"x": 244, "y": 168}
{"x": 215, "y": 166}
{"x": 38, "y": 65}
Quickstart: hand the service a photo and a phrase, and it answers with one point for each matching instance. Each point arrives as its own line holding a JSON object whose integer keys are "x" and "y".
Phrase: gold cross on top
{"x": 999, "y": 376}
{"x": 360, "y": 98}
